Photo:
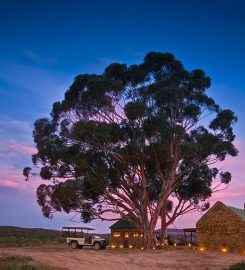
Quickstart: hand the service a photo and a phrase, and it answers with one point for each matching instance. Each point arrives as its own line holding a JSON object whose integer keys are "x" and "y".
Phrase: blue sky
{"x": 45, "y": 44}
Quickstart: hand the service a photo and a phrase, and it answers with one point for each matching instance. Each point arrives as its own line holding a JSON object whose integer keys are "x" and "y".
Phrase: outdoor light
{"x": 175, "y": 244}
{"x": 130, "y": 246}
{"x": 154, "y": 248}
{"x": 136, "y": 234}
{"x": 121, "y": 246}
{"x": 189, "y": 244}
{"x": 201, "y": 248}
{"x": 141, "y": 248}
{"x": 162, "y": 244}
{"x": 126, "y": 235}
{"x": 141, "y": 235}
{"x": 157, "y": 244}
{"x": 225, "y": 250}
{"x": 113, "y": 246}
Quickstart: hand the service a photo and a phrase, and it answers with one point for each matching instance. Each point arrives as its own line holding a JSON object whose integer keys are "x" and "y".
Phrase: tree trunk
{"x": 163, "y": 226}
{"x": 149, "y": 239}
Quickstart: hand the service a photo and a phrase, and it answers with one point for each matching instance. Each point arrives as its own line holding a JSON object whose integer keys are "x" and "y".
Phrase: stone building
{"x": 125, "y": 235}
{"x": 222, "y": 228}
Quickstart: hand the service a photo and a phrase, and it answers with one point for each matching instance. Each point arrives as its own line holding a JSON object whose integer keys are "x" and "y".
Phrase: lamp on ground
{"x": 224, "y": 249}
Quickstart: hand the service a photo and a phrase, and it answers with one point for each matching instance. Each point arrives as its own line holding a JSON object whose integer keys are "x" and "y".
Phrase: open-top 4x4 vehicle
{"x": 78, "y": 237}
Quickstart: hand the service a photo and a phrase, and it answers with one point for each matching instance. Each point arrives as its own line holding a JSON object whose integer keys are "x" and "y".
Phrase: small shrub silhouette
{"x": 237, "y": 266}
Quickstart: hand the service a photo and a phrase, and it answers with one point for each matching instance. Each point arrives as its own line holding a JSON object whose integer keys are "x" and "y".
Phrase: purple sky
{"x": 45, "y": 44}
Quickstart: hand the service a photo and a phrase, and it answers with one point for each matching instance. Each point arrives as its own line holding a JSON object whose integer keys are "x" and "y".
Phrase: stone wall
{"x": 219, "y": 228}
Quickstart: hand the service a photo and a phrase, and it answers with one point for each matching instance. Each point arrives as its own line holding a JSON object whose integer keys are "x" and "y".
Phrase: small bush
{"x": 237, "y": 266}
{"x": 16, "y": 266}
{"x": 10, "y": 262}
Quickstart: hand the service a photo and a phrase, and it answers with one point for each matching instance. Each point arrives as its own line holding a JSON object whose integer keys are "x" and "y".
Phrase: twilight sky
{"x": 45, "y": 44}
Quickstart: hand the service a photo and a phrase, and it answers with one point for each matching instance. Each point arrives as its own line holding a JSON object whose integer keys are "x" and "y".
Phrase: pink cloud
{"x": 222, "y": 195}
{"x": 236, "y": 166}
{"x": 12, "y": 184}
{"x": 12, "y": 178}
{"x": 21, "y": 149}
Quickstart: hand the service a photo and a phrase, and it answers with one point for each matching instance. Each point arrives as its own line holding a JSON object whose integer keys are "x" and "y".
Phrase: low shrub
{"x": 10, "y": 262}
{"x": 237, "y": 266}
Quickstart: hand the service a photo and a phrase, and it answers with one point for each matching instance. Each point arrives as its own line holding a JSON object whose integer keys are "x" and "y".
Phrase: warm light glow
{"x": 130, "y": 246}
{"x": 162, "y": 244}
{"x": 154, "y": 248}
{"x": 141, "y": 248}
{"x": 121, "y": 246}
{"x": 175, "y": 244}
{"x": 202, "y": 249}
{"x": 157, "y": 244}
{"x": 141, "y": 235}
{"x": 225, "y": 250}
{"x": 126, "y": 235}
{"x": 113, "y": 246}
{"x": 116, "y": 234}
{"x": 189, "y": 245}
{"x": 136, "y": 234}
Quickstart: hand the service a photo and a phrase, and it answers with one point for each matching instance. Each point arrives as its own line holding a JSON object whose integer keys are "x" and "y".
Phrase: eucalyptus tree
{"x": 121, "y": 142}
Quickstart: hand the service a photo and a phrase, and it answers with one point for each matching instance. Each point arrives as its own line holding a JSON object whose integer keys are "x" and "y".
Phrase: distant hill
{"x": 11, "y": 231}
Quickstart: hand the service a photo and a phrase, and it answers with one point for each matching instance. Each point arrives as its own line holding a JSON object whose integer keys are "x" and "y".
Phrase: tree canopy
{"x": 122, "y": 142}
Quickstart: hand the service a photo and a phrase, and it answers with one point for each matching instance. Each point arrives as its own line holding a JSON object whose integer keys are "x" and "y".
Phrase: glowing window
{"x": 126, "y": 234}
{"x": 116, "y": 234}
{"x": 136, "y": 234}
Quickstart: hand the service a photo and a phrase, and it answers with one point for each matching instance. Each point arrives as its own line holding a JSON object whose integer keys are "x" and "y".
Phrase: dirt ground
{"x": 122, "y": 259}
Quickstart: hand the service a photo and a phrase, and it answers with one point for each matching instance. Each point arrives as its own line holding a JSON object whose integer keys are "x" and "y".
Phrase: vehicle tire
{"x": 97, "y": 246}
{"x": 74, "y": 245}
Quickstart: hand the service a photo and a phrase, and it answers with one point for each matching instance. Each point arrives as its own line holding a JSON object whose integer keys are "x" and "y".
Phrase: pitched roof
{"x": 239, "y": 212}
{"x": 122, "y": 224}
{"x": 236, "y": 211}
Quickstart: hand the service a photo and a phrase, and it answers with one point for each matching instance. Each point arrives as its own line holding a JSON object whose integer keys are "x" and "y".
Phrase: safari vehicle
{"x": 79, "y": 237}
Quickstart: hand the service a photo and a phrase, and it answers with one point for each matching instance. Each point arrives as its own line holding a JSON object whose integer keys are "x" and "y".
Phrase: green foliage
{"x": 237, "y": 266}
{"x": 134, "y": 130}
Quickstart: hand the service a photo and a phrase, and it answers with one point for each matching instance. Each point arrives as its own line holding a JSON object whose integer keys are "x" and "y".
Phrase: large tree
{"x": 122, "y": 142}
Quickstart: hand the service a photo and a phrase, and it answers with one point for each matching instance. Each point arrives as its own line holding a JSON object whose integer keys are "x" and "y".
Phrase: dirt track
{"x": 87, "y": 259}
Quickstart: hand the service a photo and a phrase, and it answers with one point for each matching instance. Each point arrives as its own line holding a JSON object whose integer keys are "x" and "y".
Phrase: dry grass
{"x": 17, "y": 262}
{"x": 123, "y": 259}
